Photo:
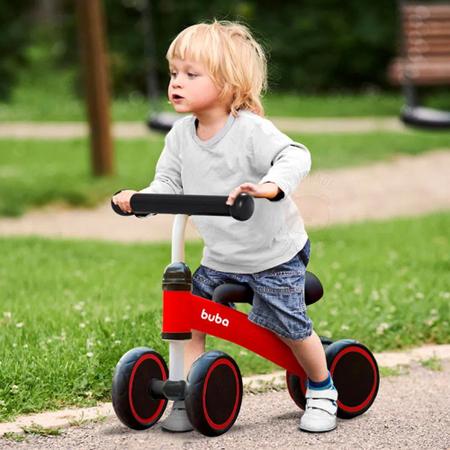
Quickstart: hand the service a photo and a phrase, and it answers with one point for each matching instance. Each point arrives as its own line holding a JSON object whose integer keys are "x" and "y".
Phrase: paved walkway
{"x": 405, "y": 186}
{"x": 255, "y": 383}
{"x": 411, "y": 410}
{"x": 124, "y": 130}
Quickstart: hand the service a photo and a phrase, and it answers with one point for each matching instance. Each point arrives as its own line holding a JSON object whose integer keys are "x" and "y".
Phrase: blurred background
{"x": 315, "y": 48}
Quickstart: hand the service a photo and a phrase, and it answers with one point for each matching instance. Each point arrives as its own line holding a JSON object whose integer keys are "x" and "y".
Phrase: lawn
{"x": 30, "y": 101}
{"x": 46, "y": 92}
{"x": 70, "y": 309}
{"x": 39, "y": 172}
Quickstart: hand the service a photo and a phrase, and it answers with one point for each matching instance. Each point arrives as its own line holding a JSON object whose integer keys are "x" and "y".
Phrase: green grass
{"x": 15, "y": 437}
{"x": 396, "y": 371}
{"x": 39, "y": 430}
{"x": 330, "y": 151}
{"x": 30, "y": 101}
{"x": 39, "y": 172}
{"x": 70, "y": 309}
{"x": 33, "y": 103}
{"x": 433, "y": 363}
{"x": 333, "y": 104}
{"x": 35, "y": 173}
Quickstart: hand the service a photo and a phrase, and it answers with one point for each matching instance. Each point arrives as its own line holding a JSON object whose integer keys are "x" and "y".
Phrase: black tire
{"x": 214, "y": 393}
{"x": 355, "y": 374}
{"x": 131, "y": 397}
{"x": 297, "y": 388}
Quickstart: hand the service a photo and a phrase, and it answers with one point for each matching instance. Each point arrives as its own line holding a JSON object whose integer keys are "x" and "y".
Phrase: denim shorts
{"x": 279, "y": 294}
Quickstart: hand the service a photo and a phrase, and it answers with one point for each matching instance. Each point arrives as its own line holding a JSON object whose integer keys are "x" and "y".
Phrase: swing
{"x": 425, "y": 60}
{"x": 161, "y": 121}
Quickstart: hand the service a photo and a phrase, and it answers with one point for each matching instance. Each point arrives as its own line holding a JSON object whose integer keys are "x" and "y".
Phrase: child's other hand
{"x": 264, "y": 190}
{"x": 122, "y": 200}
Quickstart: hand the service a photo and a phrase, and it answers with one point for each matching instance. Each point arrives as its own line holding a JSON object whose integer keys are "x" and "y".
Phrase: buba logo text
{"x": 214, "y": 318}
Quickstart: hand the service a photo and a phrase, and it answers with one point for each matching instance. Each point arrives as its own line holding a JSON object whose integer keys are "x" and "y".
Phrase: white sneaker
{"x": 320, "y": 411}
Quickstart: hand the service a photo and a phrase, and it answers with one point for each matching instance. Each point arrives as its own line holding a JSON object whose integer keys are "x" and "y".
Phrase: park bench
{"x": 424, "y": 60}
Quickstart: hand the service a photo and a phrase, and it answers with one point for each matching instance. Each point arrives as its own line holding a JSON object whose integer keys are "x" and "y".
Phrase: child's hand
{"x": 264, "y": 190}
{"x": 122, "y": 200}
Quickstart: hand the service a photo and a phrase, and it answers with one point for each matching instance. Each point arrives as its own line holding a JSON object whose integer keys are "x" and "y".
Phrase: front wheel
{"x": 213, "y": 393}
{"x": 131, "y": 395}
{"x": 355, "y": 374}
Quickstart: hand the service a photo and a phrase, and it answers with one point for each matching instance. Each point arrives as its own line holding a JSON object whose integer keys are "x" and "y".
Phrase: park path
{"x": 411, "y": 411}
{"x": 402, "y": 186}
{"x": 128, "y": 130}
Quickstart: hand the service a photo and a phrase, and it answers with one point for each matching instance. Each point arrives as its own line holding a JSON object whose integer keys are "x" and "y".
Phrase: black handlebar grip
{"x": 243, "y": 207}
{"x": 116, "y": 208}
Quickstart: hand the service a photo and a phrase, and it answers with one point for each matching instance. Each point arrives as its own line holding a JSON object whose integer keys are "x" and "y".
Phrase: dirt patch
{"x": 403, "y": 186}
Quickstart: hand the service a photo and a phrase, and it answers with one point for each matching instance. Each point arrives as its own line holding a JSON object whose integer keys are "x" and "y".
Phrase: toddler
{"x": 225, "y": 147}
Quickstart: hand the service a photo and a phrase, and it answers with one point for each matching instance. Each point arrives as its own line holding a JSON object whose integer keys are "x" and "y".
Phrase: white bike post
{"x": 176, "y": 348}
{"x": 177, "y": 419}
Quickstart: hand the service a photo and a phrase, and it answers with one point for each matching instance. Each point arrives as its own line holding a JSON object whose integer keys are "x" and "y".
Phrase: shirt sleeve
{"x": 168, "y": 169}
{"x": 283, "y": 161}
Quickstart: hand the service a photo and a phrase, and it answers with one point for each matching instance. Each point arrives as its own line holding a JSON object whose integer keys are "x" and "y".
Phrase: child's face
{"x": 191, "y": 89}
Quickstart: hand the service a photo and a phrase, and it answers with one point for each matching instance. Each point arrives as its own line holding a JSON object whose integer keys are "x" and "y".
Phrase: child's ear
{"x": 228, "y": 92}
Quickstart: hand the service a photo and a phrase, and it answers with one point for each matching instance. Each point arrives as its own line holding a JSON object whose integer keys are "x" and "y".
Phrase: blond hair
{"x": 235, "y": 61}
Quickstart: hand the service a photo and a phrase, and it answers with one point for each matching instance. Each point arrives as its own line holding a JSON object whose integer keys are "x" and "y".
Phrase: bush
{"x": 313, "y": 45}
{"x": 13, "y": 40}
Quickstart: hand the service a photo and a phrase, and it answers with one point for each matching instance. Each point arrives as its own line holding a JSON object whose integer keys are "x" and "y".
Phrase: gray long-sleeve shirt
{"x": 251, "y": 149}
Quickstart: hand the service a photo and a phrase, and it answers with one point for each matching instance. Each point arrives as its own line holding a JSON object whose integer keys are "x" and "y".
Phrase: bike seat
{"x": 242, "y": 293}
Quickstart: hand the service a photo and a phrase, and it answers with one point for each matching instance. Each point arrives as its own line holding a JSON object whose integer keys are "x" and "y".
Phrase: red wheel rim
{"x": 143, "y": 358}
{"x": 366, "y": 402}
{"x": 211, "y": 423}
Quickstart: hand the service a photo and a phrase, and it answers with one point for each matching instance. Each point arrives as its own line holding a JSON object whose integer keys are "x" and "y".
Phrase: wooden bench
{"x": 424, "y": 50}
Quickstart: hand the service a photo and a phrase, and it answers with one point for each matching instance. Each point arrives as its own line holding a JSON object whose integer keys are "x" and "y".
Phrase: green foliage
{"x": 313, "y": 45}
{"x": 326, "y": 44}
{"x": 14, "y": 25}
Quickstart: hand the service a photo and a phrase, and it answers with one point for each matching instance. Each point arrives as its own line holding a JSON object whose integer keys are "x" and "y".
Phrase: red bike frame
{"x": 183, "y": 312}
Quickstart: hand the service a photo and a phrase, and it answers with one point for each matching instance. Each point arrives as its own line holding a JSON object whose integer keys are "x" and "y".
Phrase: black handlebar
{"x": 193, "y": 205}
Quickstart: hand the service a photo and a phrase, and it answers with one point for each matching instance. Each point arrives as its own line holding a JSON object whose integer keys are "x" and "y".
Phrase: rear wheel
{"x": 214, "y": 393}
{"x": 131, "y": 396}
{"x": 297, "y": 388}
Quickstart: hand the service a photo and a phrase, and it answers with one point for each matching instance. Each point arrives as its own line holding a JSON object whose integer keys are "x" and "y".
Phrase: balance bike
{"x": 210, "y": 398}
